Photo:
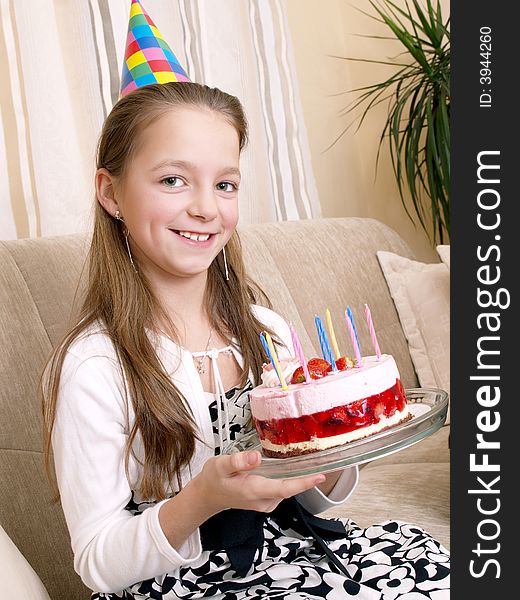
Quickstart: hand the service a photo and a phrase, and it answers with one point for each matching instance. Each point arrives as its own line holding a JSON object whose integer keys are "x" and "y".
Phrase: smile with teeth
{"x": 196, "y": 237}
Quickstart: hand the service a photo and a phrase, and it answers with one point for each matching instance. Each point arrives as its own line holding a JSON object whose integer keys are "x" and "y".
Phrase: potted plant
{"x": 417, "y": 125}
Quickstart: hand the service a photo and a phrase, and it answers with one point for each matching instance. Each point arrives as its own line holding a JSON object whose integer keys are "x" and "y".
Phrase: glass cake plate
{"x": 428, "y": 406}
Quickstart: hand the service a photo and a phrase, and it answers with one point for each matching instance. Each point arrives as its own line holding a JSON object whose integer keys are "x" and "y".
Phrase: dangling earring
{"x": 225, "y": 263}
{"x": 128, "y": 250}
{"x": 118, "y": 217}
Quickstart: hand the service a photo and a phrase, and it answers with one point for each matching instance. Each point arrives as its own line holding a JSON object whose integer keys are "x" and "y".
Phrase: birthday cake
{"x": 333, "y": 410}
{"x": 304, "y": 407}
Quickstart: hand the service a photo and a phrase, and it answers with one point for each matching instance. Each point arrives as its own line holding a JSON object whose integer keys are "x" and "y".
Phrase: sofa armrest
{"x": 18, "y": 578}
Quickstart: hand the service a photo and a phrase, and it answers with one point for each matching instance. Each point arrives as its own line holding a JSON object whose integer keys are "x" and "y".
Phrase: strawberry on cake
{"x": 332, "y": 409}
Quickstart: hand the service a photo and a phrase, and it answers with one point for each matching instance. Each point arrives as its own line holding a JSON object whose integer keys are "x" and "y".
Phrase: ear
{"x": 105, "y": 191}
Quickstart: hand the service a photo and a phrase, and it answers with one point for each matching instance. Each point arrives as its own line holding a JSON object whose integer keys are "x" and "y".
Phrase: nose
{"x": 204, "y": 205}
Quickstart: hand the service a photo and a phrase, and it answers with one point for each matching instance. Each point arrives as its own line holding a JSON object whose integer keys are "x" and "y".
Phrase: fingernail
{"x": 252, "y": 458}
{"x": 320, "y": 479}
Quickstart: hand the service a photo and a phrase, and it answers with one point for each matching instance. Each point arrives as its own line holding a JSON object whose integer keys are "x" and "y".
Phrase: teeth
{"x": 198, "y": 237}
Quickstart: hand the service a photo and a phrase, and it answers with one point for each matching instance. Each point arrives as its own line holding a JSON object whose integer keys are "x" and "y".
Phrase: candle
{"x": 332, "y": 334}
{"x": 275, "y": 361}
{"x": 324, "y": 341}
{"x": 351, "y": 316}
{"x": 353, "y": 338}
{"x": 266, "y": 348}
{"x": 329, "y": 349}
{"x": 372, "y": 331}
{"x": 317, "y": 321}
{"x": 299, "y": 353}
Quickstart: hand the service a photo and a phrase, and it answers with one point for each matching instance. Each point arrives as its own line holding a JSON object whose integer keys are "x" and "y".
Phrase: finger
{"x": 291, "y": 487}
{"x": 240, "y": 461}
{"x": 285, "y": 488}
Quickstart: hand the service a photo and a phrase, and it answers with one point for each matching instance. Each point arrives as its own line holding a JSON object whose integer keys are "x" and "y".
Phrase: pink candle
{"x": 372, "y": 331}
{"x": 299, "y": 353}
{"x": 353, "y": 339}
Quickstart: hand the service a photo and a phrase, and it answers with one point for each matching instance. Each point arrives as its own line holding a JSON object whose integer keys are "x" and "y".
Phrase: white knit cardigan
{"x": 112, "y": 547}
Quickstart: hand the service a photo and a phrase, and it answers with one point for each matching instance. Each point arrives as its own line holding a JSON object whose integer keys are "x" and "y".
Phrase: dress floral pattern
{"x": 388, "y": 561}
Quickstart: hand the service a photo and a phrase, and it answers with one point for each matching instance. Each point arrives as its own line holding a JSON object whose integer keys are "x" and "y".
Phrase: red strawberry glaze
{"x": 334, "y": 421}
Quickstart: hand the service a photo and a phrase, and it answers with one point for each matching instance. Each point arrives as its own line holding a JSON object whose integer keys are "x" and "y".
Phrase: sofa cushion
{"x": 412, "y": 485}
{"x": 49, "y": 269}
{"x": 421, "y": 293}
{"x": 398, "y": 492}
{"x": 443, "y": 250}
{"x": 38, "y": 279}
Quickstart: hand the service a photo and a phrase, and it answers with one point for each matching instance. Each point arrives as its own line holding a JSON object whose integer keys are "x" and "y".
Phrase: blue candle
{"x": 320, "y": 337}
{"x": 268, "y": 352}
{"x": 324, "y": 342}
{"x": 266, "y": 348}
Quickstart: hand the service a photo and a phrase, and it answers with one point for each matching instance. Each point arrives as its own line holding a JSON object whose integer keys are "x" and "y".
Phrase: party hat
{"x": 148, "y": 58}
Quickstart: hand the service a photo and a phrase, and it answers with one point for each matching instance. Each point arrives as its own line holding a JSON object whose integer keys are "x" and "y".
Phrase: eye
{"x": 172, "y": 181}
{"x": 227, "y": 186}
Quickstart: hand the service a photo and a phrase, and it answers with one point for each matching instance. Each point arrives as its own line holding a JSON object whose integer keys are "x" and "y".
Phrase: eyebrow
{"x": 188, "y": 165}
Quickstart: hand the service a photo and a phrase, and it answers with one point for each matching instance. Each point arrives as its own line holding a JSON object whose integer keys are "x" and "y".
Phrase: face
{"x": 179, "y": 194}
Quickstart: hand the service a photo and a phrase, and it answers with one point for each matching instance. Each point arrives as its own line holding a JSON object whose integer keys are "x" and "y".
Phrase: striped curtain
{"x": 60, "y": 64}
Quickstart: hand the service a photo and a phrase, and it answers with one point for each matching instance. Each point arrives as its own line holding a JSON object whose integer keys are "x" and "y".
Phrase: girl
{"x": 143, "y": 392}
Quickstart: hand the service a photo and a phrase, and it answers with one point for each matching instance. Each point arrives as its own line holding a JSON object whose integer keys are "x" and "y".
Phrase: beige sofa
{"x": 305, "y": 267}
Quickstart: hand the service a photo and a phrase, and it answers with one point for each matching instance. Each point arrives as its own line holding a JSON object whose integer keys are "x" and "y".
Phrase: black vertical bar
{"x": 485, "y": 242}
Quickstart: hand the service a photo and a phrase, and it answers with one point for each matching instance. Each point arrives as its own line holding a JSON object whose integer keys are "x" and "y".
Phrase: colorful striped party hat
{"x": 148, "y": 58}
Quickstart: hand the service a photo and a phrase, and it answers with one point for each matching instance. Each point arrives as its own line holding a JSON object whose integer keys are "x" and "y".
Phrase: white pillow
{"x": 18, "y": 578}
{"x": 421, "y": 294}
{"x": 444, "y": 253}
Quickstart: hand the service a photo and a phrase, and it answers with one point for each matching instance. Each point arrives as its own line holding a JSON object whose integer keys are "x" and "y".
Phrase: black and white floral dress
{"x": 389, "y": 561}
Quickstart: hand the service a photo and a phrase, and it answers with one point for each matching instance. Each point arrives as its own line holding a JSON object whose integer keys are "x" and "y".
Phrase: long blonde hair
{"x": 122, "y": 301}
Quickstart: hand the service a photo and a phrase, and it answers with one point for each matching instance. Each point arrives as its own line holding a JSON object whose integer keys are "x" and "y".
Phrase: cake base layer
{"x": 335, "y": 426}
{"x": 315, "y": 445}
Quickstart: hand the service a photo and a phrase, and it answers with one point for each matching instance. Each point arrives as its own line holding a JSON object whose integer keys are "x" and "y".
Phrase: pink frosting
{"x": 336, "y": 389}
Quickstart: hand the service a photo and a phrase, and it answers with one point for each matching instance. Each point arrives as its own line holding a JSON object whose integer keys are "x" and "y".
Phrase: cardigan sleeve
{"x": 112, "y": 547}
{"x": 313, "y": 500}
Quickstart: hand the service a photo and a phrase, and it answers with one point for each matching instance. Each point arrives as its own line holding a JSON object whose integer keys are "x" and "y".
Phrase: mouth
{"x": 194, "y": 236}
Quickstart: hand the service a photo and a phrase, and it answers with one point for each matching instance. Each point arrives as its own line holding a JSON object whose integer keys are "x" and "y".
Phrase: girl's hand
{"x": 225, "y": 482}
